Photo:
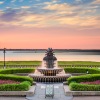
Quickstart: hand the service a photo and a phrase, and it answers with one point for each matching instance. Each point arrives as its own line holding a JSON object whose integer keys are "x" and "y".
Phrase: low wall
{"x": 68, "y": 92}
{"x": 31, "y": 92}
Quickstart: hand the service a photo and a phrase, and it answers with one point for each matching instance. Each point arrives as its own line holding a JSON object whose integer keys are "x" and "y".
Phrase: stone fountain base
{"x": 57, "y": 78}
{"x": 49, "y": 71}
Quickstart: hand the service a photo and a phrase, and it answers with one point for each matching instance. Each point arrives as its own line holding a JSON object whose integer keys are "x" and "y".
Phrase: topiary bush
{"x": 82, "y": 70}
{"x": 75, "y": 85}
{"x": 16, "y": 78}
{"x": 23, "y": 86}
{"x": 83, "y": 87}
{"x": 84, "y": 78}
{"x": 16, "y": 70}
{"x": 7, "y": 74}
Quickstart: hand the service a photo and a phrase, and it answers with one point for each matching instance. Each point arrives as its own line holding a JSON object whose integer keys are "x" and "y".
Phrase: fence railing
{"x": 19, "y": 66}
{"x": 35, "y": 66}
{"x": 90, "y": 66}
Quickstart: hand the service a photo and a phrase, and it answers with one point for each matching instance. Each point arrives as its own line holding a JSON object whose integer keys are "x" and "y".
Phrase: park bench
{"x": 49, "y": 91}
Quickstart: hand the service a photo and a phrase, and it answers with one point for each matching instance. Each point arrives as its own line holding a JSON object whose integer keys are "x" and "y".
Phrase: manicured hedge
{"x": 84, "y": 78}
{"x": 82, "y": 70}
{"x": 16, "y": 78}
{"x": 75, "y": 85}
{"x": 26, "y": 82}
{"x": 23, "y": 86}
{"x": 83, "y": 87}
{"x": 16, "y": 70}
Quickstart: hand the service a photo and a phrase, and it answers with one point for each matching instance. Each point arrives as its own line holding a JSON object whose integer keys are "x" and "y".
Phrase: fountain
{"x": 49, "y": 71}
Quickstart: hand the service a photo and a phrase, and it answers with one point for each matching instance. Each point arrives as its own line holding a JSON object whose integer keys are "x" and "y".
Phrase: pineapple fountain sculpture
{"x": 49, "y": 71}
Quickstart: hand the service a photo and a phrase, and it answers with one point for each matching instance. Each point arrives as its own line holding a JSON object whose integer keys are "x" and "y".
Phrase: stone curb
{"x": 68, "y": 92}
{"x": 31, "y": 92}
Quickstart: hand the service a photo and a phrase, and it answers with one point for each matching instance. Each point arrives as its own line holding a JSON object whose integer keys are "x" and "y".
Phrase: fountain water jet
{"x": 49, "y": 71}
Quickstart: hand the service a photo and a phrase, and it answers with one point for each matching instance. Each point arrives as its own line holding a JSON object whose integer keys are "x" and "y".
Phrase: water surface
{"x": 61, "y": 56}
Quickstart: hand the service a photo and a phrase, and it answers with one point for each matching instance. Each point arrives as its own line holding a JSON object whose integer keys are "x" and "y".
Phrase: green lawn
{"x": 38, "y": 63}
{"x": 78, "y": 63}
{"x": 21, "y": 62}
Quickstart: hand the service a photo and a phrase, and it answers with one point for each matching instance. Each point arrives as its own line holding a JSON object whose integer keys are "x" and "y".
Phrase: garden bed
{"x": 30, "y": 92}
{"x": 15, "y": 85}
{"x": 82, "y": 70}
{"x": 23, "y": 84}
{"x": 8, "y": 82}
{"x": 76, "y": 82}
{"x": 68, "y": 92}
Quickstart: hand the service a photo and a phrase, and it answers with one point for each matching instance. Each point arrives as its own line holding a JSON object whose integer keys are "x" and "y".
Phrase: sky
{"x": 60, "y": 24}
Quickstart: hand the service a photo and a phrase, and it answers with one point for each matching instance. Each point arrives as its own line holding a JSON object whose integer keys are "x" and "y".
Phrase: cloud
{"x": 1, "y": 2}
{"x": 13, "y": 1}
{"x": 1, "y": 12}
{"x": 96, "y": 2}
{"x": 59, "y": 7}
{"x": 9, "y": 15}
{"x": 25, "y": 7}
{"x": 52, "y": 14}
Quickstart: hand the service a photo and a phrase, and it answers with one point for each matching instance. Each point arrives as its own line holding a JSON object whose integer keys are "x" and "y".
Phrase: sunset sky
{"x": 61, "y": 24}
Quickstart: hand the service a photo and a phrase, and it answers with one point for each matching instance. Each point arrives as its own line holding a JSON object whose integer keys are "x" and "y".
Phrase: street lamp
{"x": 4, "y": 51}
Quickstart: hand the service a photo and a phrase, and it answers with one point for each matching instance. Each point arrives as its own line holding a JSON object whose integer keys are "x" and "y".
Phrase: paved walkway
{"x": 58, "y": 94}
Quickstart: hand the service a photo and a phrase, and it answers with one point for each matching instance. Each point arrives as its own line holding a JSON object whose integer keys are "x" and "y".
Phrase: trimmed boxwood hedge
{"x": 75, "y": 85}
{"x": 82, "y": 70}
{"x": 16, "y": 70}
{"x": 7, "y": 74}
{"x": 23, "y": 86}
{"x": 84, "y": 78}
{"x": 16, "y": 78}
{"x": 83, "y": 87}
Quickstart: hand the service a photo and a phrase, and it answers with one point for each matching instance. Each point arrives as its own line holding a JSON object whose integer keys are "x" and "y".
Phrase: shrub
{"x": 23, "y": 86}
{"x": 16, "y": 70}
{"x": 16, "y": 78}
{"x": 82, "y": 70}
{"x": 75, "y": 82}
{"x": 83, "y": 87}
{"x": 84, "y": 78}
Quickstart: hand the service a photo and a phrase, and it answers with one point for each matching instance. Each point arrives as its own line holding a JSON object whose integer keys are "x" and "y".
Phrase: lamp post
{"x": 4, "y": 51}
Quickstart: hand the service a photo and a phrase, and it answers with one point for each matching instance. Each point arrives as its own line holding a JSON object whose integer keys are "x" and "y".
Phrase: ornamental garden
{"x": 85, "y": 76}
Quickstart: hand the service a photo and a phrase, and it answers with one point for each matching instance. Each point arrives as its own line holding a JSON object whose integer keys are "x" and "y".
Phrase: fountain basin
{"x": 57, "y": 78}
{"x": 49, "y": 71}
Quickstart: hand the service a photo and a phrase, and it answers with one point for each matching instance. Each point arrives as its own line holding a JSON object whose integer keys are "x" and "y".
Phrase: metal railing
{"x": 35, "y": 66}
{"x": 19, "y": 66}
{"x": 89, "y": 66}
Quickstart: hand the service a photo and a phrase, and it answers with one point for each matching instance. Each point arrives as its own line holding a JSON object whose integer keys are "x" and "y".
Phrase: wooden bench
{"x": 49, "y": 91}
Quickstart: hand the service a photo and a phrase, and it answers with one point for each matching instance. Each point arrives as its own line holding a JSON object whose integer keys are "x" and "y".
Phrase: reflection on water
{"x": 61, "y": 56}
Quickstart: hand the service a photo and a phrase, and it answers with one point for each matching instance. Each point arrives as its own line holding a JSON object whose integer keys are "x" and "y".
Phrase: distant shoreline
{"x": 62, "y": 50}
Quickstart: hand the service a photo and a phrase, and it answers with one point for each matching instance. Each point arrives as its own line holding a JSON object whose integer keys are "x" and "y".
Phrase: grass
{"x": 60, "y": 63}
{"x": 21, "y": 63}
{"x": 78, "y": 63}
{"x": 82, "y": 70}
